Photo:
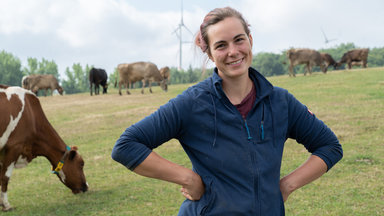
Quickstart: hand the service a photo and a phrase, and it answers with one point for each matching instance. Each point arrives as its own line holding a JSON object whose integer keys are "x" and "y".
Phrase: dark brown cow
{"x": 304, "y": 56}
{"x": 355, "y": 55}
{"x": 36, "y": 82}
{"x": 25, "y": 133}
{"x": 328, "y": 60}
{"x": 140, "y": 71}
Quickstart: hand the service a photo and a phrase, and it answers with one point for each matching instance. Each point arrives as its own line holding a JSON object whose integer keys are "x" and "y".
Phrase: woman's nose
{"x": 232, "y": 51}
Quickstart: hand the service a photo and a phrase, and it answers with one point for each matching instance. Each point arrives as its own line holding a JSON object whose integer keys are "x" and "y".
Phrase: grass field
{"x": 350, "y": 102}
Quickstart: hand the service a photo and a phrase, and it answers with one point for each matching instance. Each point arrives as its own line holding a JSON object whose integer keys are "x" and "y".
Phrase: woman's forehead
{"x": 226, "y": 29}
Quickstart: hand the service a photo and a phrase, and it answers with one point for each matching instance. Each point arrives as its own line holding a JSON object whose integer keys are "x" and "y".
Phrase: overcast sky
{"x": 105, "y": 33}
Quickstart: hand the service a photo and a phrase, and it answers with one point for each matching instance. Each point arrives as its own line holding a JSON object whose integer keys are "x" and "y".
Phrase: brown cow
{"x": 165, "y": 73}
{"x": 140, "y": 71}
{"x": 36, "y": 82}
{"x": 25, "y": 133}
{"x": 355, "y": 55}
{"x": 328, "y": 60}
{"x": 304, "y": 56}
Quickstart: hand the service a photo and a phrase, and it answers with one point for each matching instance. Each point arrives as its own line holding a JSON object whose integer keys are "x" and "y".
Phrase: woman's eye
{"x": 219, "y": 46}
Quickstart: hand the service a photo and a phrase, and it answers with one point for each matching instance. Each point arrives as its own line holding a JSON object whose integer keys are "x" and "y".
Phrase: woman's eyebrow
{"x": 223, "y": 41}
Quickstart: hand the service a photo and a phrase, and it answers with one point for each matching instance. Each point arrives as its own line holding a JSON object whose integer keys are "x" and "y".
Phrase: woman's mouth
{"x": 236, "y": 62}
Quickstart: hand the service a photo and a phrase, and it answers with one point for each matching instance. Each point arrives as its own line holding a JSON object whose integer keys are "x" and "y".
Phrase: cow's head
{"x": 60, "y": 90}
{"x": 337, "y": 65}
{"x": 163, "y": 85}
{"x": 72, "y": 174}
{"x": 105, "y": 87}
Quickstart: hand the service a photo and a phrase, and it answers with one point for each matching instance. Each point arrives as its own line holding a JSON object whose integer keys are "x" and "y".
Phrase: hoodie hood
{"x": 262, "y": 85}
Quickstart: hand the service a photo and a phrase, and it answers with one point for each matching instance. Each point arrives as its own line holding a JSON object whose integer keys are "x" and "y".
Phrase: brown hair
{"x": 213, "y": 17}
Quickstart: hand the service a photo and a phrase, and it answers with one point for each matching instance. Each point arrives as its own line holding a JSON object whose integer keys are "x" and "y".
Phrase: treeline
{"x": 269, "y": 64}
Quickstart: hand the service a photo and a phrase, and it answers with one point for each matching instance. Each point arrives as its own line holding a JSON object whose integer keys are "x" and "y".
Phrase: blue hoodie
{"x": 238, "y": 159}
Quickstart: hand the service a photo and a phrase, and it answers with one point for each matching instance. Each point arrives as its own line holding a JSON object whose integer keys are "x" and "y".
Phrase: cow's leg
{"x": 150, "y": 86}
{"x": 96, "y": 89}
{"x": 324, "y": 68}
{"x": 6, "y": 173}
{"x": 310, "y": 69}
{"x": 120, "y": 88}
{"x": 126, "y": 85}
{"x": 349, "y": 64}
{"x": 90, "y": 88}
{"x": 142, "y": 89}
{"x": 291, "y": 72}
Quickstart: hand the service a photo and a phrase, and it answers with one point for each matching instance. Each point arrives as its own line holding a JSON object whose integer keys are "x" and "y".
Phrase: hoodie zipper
{"x": 262, "y": 125}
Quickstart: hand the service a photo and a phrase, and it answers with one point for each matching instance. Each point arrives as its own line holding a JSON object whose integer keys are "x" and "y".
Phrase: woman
{"x": 233, "y": 127}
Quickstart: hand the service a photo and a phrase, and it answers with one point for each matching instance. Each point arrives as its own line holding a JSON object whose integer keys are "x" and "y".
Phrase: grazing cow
{"x": 98, "y": 77}
{"x": 36, "y": 82}
{"x": 25, "y": 133}
{"x": 165, "y": 73}
{"x": 304, "y": 56}
{"x": 144, "y": 71}
{"x": 328, "y": 60}
{"x": 355, "y": 55}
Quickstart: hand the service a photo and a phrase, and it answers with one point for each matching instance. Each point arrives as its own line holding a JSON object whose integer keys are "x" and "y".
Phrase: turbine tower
{"x": 178, "y": 31}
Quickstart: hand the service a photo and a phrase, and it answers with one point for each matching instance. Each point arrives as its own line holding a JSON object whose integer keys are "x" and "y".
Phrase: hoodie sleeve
{"x": 312, "y": 133}
{"x": 137, "y": 141}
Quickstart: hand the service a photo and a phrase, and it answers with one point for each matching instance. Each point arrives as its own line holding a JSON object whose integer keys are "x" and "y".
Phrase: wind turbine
{"x": 325, "y": 37}
{"x": 178, "y": 31}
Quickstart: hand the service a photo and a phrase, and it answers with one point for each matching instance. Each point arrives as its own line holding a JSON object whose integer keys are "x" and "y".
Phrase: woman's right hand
{"x": 194, "y": 189}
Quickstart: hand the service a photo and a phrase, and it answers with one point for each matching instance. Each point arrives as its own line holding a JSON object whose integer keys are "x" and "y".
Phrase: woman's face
{"x": 230, "y": 48}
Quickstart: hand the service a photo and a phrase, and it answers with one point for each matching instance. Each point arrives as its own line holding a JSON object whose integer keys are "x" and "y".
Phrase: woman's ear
{"x": 250, "y": 39}
{"x": 210, "y": 57}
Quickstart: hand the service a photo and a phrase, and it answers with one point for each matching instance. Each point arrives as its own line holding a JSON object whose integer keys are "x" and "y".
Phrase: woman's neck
{"x": 237, "y": 89}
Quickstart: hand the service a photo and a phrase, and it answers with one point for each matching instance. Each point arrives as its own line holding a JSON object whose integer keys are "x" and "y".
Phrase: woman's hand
{"x": 194, "y": 189}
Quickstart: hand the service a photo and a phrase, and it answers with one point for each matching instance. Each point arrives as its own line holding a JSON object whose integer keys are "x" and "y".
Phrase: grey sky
{"x": 105, "y": 33}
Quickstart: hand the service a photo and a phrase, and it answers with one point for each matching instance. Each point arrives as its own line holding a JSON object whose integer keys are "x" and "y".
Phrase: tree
{"x": 268, "y": 64}
{"x": 43, "y": 67}
{"x": 376, "y": 57}
{"x": 77, "y": 79}
{"x": 113, "y": 77}
{"x": 10, "y": 69}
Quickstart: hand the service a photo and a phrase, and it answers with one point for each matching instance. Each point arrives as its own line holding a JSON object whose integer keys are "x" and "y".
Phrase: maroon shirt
{"x": 246, "y": 104}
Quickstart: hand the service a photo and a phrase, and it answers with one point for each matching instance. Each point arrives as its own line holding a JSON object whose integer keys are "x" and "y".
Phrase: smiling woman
{"x": 236, "y": 118}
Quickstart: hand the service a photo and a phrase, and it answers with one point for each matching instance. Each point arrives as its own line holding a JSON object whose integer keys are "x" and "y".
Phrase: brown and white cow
{"x": 36, "y": 82}
{"x": 140, "y": 71}
{"x": 355, "y": 55}
{"x": 26, "y": 133}
{"x": 304, "y": 56}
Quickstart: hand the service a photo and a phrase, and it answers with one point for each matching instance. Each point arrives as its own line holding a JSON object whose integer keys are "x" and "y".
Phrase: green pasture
{"x": 350, "y": 102}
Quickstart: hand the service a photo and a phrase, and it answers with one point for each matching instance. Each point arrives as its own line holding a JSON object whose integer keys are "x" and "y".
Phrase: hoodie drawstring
{"x": 246, "y": 127}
